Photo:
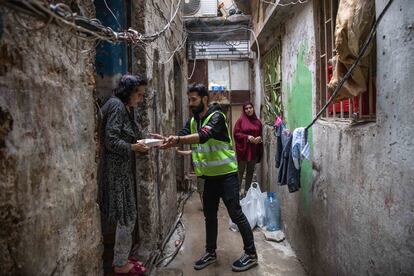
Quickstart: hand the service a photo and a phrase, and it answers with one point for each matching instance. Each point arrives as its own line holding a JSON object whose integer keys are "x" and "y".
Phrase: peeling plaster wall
{"x": 355, "y": 216}
{"x": 298, "y": 88}
{"x": 366, "y": 202}
{"x": 156, "y": 172}
{"x": 48, "y": 213}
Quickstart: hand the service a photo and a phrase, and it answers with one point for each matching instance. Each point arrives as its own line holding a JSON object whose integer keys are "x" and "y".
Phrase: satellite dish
{"x": 191, "y": 7}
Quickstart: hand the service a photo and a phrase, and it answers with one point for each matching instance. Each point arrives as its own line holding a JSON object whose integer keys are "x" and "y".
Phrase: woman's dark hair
{"x": 127, "y": 85}
{"x": 199, "y": 88}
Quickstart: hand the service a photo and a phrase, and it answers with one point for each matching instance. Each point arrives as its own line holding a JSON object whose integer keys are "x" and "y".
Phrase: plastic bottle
{"x": 272, "y": 212}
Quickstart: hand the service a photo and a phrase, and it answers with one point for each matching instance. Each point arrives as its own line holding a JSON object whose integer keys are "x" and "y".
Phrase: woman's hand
{"x": 258, "y": 140}
{"x": 250, "y": 139}
{"x": 139, "y": 147}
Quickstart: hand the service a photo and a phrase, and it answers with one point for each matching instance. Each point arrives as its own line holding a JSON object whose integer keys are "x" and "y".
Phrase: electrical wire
{"x": 194, "y": 65}
{"x": 157, "y": 34}
{"x": 285, "y": 4}
{"x": 179, "y": 47}
{"x": 116, "y": 19}
{"x": 87, "y": 29}
{"x": 62, "y": 15}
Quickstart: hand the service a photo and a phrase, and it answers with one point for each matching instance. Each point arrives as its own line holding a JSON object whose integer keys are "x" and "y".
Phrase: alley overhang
{"x": 244, "y": 5}
{"x": 218, "y": 28}
{"x": 273, "y": 25}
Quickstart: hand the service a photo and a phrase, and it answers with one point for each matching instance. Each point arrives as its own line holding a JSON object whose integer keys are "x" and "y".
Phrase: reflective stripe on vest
{"x": 214, "y": 157}
{"x": 215, "y": 163}
{"x": 209, "y": 148}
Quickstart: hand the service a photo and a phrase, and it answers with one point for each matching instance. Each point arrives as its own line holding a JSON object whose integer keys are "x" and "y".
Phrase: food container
{"x": 151, "y": 142}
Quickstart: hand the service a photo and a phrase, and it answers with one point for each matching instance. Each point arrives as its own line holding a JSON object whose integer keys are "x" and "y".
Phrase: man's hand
{"x": 170, "y": 142}
{"x": 139, "y": 147}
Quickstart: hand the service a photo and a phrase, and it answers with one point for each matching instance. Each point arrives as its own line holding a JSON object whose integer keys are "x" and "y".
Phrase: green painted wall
{"x": 298, "y": 104}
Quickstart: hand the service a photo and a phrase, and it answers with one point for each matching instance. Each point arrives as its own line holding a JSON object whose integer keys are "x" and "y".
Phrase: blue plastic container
{"x": 272, "y": 212}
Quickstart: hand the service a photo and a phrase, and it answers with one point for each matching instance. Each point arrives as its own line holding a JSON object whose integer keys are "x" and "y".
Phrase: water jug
{"x": 272, "y": 212}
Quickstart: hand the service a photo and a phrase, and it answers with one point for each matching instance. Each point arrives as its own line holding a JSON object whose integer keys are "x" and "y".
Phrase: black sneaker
{"x": 245, "y": 262}
{"x": 208, "y": 258}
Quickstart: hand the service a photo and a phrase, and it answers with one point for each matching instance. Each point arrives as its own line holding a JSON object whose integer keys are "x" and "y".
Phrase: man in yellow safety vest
{"x": 215, "y": 161}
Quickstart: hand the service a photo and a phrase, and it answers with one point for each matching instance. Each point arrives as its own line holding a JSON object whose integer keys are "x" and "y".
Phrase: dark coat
{"x": 288, "y": 174}
{"x": 118, "y": 131}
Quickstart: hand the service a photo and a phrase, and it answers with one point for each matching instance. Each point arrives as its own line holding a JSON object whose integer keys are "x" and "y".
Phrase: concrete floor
{"x": 274, "y": 258}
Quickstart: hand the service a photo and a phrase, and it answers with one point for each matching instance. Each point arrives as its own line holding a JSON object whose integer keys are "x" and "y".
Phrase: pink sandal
{"x": 137, "y": 269}
{"x": 134, "y": 260}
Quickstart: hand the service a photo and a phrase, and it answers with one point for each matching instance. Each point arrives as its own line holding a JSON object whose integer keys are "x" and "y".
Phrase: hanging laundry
{"x": 278, "y": 121}
{"x": 284, "y": 154}
{"x": 278, "y": 133}
{"x": 281, "y": 141}
{"x": 293, "y": 175}
{"x": 288, "y": 174}
{"x": 279, "y": 148}
{"x": 298, "y": 143}
{"x": 300, "y": 146}
{"x": 306, "y": 152}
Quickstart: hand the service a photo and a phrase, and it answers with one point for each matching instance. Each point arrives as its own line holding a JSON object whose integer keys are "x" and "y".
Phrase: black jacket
{"x": 216, "y": 128}
{"x": 288, "y": 174}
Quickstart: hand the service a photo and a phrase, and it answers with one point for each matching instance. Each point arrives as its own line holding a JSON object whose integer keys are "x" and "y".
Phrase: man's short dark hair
{"x": 199, "y": 88}
{"x": 127, "y": 85}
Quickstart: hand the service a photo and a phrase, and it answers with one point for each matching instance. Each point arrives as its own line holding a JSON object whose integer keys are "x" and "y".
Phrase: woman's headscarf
{"x": 245, "y": 126}
{"x": 247, "y": 121}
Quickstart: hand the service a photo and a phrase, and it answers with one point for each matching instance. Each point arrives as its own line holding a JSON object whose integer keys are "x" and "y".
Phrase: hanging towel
{"x": 298, "y": 144}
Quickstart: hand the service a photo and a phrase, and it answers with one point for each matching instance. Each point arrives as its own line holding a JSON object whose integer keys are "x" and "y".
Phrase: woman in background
{"x": 248, "y": 140}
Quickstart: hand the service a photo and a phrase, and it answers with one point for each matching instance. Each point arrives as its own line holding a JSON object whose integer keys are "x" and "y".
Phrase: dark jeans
{"x": 247, "y": 166}
{"x": 226, "y": 187}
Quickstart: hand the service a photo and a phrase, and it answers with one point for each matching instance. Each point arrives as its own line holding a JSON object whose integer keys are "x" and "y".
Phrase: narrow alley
{"x": 275, "y": 258}
{"x": 206, "y": 137}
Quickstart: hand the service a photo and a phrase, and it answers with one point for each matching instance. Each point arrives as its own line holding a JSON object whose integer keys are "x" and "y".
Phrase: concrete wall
{"x": 48, "y": 213}
{"x": 161, "y": 113}
{"x": 298, "y": 83}
{"x": 298, "y": 90}
{"x": 355, "y": 216}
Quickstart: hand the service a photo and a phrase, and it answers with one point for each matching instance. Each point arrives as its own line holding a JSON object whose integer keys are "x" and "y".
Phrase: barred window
{"x": 357, "y": 108}
{"x": 272, "y": 76}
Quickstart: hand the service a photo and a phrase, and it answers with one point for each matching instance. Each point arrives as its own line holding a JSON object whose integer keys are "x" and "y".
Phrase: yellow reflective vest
{"x": 214, "y": 157}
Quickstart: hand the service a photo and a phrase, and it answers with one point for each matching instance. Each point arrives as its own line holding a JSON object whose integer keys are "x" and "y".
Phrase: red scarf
{"x": 248, "y": 126}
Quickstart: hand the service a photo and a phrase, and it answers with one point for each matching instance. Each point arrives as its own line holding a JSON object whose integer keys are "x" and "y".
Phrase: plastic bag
{"x": 253, "y": 207}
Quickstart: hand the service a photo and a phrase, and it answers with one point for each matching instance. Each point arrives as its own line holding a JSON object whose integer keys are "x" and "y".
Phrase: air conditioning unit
{"x": 200, "y": 8}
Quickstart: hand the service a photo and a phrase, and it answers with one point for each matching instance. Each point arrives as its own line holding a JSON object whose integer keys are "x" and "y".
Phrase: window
{"x": 229, "y": 81}
{"x": 218, "y": 49}
{"x": 272, "y": 76}
{"x": 357, "y": 108}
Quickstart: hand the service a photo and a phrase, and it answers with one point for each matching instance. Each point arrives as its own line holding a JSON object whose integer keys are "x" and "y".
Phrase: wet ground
{"x": 274, "y": 258}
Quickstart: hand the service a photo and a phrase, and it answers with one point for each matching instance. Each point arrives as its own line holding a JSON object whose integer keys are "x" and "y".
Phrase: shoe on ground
{"x": 207, "y": 259}
{"x": 245, "y": 262}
